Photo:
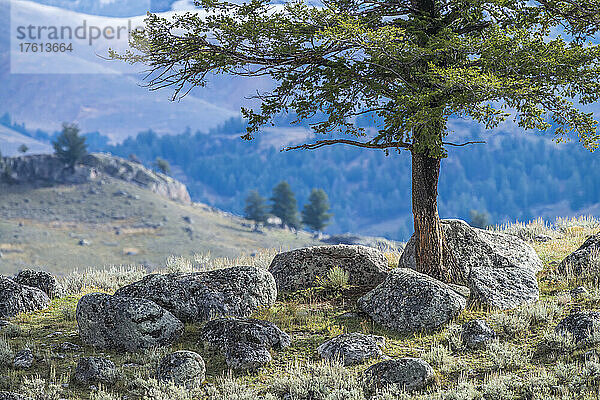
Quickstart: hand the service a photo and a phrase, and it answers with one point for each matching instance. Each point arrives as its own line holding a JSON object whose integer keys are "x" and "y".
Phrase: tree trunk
{"x": 432, "y": 256}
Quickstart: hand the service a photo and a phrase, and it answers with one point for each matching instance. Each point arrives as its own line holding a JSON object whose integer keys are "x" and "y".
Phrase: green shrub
{"x": 507, "y": 356}
{"x": 6, "y": 353}
{"x": 336, "y": 279}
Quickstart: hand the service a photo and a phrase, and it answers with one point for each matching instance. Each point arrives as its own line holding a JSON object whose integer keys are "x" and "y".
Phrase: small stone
{"x": 581, "y": 325}
{"x": 83, "y": 242}
{"x": 67, "y": 347}
{"x": 184, "y": 368}
{"x": 23, "y": 359}
{"x": 579, "y": 291}
{"x": 477, "y": 334}
{"x": 95, "y": 370}
{"x": 247, "y": 356}
{"x": 411, "y": 374}
{"x": 352, "y": 348}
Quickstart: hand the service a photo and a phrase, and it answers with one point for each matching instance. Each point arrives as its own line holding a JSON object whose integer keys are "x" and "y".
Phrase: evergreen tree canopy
{"x": 256, "y": 207}
{"x": 315, "y": 214}
{"x": 23, "y": 148}
{"x": 162, "y": 165}
{"x": 69, "y": 146}
{"x": 284, "y": 205}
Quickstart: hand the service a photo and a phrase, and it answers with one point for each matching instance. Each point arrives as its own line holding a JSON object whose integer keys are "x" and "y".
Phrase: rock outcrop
{"x": 94, "y": 370}
{"x": 499, "y": 269}
{"x": 183, "y": 368}
{"x": 379, "y": 243}
{"x": 582, "y": 258}
{"x": 580, "y": 325}
{"x": 408, "y": 301}
{"x": 245, "y": 342}
{"x": 48, "y": 169}
{"x": 41, "y": 280}
{"x": 125, "y": 323}
{"x": 201, "y": 296}
{"x": 16, "y": 298}
{"x": 352, "y": 348}
{"x": 299, "y": 269}
{"x": 408, "y": 373}
{"x": 477, "y": 334}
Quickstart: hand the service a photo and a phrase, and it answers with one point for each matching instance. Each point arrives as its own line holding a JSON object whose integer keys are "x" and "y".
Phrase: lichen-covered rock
{"x": 247, "y": 356}
{"x": 245, "y": 342}
{"x": 224, "y": 332}
{"x": 125, "y": 323}
{"x": 92, "y": 370}
{"x": 201, "y": 296}
{"x": 477, "y": 334}
{"x": 581, "y": 325}
{"x": 23, "y": 359}
{"x": 499, "y": 268}
{"x": 183, "y": 368}
{"x": 16, "y": 298}
{"x": 298, "y": 269}
{"x": 583, "y": 257}
{"x": 352, "y": 348}
{"x": 408, "y": 301}
{"x": 42, "y": 280}
{"x": 408, "y": 373}
{"x": 12, "y": 396}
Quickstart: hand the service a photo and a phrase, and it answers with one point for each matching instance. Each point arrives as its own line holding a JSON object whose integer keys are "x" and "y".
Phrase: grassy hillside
{"x": 69, "y": 227}
{"x": 528, "y": 361}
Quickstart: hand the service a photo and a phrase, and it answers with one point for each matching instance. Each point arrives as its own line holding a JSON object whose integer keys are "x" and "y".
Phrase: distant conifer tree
{"x": 284, "y": 205}
{"x": 162, "y": 165}
{"x": 23, "y": 148}
{"x": 256, "y": 207}
{"x": 69, "y": 146}
{"x": 315, "y": 214}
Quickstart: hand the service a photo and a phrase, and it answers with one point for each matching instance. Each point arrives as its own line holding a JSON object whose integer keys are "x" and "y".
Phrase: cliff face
{"x": 48, "y": 169}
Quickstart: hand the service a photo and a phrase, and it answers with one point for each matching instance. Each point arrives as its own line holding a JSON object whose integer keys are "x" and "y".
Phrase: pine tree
{"x": 23, "y": 148}
{"x": 162, "y": 165}
{"x": 315, "y": 214}
{"x": 69, "y": 146}
{"x": 256, "y": 207}
{"x": 284, "y": 205}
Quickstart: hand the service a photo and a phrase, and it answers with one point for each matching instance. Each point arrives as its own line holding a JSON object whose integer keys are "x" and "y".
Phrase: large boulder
{"x": 245, "y": 342}
{"x": 93, "y": 370}
{"x": 580, "y": 325}
{"x": 299, "y": 269}
{"x": 407, "y": 373}
{"x": 499, "y": 268}
{"x": 408, "y": 301}
{"x": 201, "y": 296}
{"x": 183, "y": 368}
{"x": 582, "y": 258}
{"x": 41, "y": 280}
{"x": 125, "y": 323}
{"x": 16, "y": 298}
{"x": 352, "y": 348}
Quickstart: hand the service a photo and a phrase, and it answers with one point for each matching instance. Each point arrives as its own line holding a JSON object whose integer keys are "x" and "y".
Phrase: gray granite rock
{"x": 352, "y": 348}
{"x": 408, "y": 301}
{"x": 23, "y": 359}
{"x": 245, "y": 342}
{"x": 581, "y": 325}
{"x": 41, "y": 280}
{"x": 201, "y": 296}
{"x": 12, "y": 396}
{"x": 125, "y": 323}
{"x": 16, "y": 298}
{"x": 298, "y": 269}
{"x": 477, "y": 334}
{"x": 184, "y": 368}
{"x": 499, "y": 268}
{"x": 411, "y": 374}
{"x": 583, "y": 257}
{"x": 93, "y": 370}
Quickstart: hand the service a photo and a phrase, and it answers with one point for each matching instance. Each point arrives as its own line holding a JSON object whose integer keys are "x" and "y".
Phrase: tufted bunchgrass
{"x": 336, "y": 279}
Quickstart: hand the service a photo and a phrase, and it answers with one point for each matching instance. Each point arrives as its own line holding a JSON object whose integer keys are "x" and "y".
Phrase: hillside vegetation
{"x": 67, "y": 227}
{"x": 528, "y": 361}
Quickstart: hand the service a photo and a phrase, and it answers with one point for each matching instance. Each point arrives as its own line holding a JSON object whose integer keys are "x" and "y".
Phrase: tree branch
{"x": 368, "y": 145}
{"x": 463, "y": 144}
